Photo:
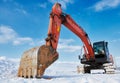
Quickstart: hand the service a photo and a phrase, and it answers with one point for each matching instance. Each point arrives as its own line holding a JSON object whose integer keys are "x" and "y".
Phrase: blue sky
{"x": 24, "y": 24}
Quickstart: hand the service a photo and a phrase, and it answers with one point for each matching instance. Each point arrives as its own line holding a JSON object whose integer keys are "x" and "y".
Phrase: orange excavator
{"x": 34, "y": 61}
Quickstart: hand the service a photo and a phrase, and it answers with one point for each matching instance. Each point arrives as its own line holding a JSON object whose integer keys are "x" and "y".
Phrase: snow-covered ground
{"x": 60, "y": 72}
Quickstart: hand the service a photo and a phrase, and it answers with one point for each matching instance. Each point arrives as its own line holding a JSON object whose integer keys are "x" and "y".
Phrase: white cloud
{"x": 42, "y": 5}
{"x": 62, "y": 2}
{"x": 106, "y": 4}
{"x": 2, "y": 57}
{"x": 66, "y": 41}
{"x": 67, "y": 46}
{"x": 23, "y": 40}
{"x": 21, "y": 10}
{"x": 115, "y": 41}
{"x": 15, "y": 60}
{"x": 117, "y": 58}
{"x": 39, "y": 42}
{"x": 7, "y": 34}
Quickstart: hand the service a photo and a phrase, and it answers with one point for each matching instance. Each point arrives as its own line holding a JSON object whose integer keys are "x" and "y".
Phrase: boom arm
{"x": 70, "y": 24}
{"x": 56, "y": 19}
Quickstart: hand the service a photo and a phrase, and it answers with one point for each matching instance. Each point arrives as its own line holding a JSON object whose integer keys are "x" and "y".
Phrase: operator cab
{"x": 101, "y": 51}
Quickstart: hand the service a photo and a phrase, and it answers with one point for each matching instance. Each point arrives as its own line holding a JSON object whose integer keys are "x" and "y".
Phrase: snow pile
{"x": 8, "y": 68}
{"x": 59, "y": 72}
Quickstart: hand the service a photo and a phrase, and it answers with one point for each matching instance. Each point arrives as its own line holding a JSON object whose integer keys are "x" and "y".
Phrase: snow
{"x": 60, "y": 72}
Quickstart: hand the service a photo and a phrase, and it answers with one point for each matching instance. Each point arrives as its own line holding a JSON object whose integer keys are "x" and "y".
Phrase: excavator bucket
{"x": 34, "y": 61}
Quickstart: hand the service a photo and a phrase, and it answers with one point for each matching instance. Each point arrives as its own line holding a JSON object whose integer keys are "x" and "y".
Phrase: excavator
{"x": 35, "y": 61}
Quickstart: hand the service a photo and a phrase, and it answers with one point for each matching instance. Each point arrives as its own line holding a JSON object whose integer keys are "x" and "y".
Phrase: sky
{"x": 24, "y": 25}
